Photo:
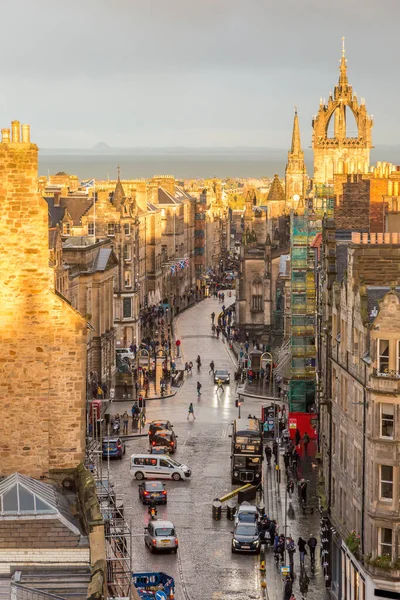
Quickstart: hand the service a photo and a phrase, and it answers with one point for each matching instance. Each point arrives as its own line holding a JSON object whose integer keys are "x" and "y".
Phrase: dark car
{"x": 166, "y": 438}
{"x": 113, "y": 448}
{"x": 246, "y": 538}
{"x": 222, "y": 375}
{"x": 157, "y": 426}
{"x": 152, "y": 491}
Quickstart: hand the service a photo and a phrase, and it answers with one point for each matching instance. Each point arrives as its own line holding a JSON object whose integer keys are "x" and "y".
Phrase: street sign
{"x": 285, "y": 570}
{"x": 160, "y": 595}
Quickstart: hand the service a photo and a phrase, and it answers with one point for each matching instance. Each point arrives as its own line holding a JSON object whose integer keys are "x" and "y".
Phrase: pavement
{"x": 204, "y": 568}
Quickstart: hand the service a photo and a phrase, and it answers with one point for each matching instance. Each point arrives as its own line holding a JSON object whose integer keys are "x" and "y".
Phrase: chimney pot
{"x": 365, "y": 238}
{"x": 373, "y": 238}
{"x": 15, "y": 131}
{"x": 26, "y": 134}
{"x": 5, "y": 136}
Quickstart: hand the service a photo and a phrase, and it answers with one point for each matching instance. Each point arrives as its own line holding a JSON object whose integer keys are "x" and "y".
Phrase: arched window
{"x": 256, "y": 295}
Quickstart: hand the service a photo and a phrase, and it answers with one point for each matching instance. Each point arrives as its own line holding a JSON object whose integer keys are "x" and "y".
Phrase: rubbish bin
{"x": 230, "y": 511}
{"x": 216, "y": 510}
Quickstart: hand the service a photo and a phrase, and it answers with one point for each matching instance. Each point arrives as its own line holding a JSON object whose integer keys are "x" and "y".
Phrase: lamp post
{"x": 269, "y": 359}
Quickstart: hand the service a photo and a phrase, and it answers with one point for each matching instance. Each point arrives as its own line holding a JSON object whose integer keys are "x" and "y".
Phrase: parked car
{"x": 161, "y": 535}
{"x": 165, "y": 437}
{"x": 153, "y": 466}
{"x": 222, "y": 375}
{"x": 158, "y": 426}
{"x": 247, "y": 513}
{"x": 159, "y": 450}
{"x": 113, "y": 447}
{"x": 246, "y": 538}
{"x": 152, "y": 491}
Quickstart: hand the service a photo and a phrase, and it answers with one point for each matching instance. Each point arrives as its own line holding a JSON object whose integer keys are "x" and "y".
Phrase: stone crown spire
{"x": 343, "y": 80}
{"x": 296, "y": 143}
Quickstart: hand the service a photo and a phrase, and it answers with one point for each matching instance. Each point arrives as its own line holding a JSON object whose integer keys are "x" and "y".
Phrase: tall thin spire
{"x": 343, "y": 81}
{"x": 296, "y": 144}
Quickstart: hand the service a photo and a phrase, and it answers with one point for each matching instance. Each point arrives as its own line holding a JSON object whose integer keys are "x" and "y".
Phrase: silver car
{"x": 160, "y": 535}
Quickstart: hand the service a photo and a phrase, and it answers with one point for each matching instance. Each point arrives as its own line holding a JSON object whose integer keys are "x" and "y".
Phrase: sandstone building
{"x": 295, "y": 172}
{"x": 359, "y": 434}
{"x": 343, "y": 150}
{"x": 42, "y": 338}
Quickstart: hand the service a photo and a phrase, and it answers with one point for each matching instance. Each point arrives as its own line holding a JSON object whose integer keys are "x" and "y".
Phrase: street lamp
{"x": 238, "y": 404}
{"x": 269, "y": 359}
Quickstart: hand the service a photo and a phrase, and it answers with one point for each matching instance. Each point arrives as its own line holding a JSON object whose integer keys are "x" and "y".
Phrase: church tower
{"x": 345, "y": 152}
{"x": 295, "y": 173}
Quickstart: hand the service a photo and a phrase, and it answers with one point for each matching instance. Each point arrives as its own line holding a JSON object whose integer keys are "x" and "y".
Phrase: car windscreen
{"x": 246, "y": 530}
{"x": 160, "y": 531}
{"x": 222, "y": 373}
{"x": 173, "y": 462}
{"x": 247, "y": 517}
{"x": 154, "y": 486}
{"x": 111, "y": 443}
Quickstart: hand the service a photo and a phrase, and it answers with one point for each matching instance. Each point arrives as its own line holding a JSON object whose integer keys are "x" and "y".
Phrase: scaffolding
{"x": 118, "y": 533}
{"x": 304, "y": 228}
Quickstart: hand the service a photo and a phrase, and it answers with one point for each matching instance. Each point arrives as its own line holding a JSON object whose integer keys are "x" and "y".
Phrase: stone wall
{"x": 42, "y": 338}
{"x": 44, "y": 533}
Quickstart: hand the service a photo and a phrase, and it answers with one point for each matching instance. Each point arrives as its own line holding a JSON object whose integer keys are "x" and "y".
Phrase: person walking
{"x": 291, "y": 549}
{"x": 312, "y": 544}
{"x": 290, "y": 488}
{"x": 302, "y": 550}
{"x": 303, "y": 584}
{"x": 268, "y": 454}
{"x": 191, "y": 411}
{"x": 306, "y": 441}
{"x": 275, "y": 451}
{"x": 303, "y": 491}
{"x": 199, "y": 386}
{"x": 219, "y": 386}
{"x": 297, "y": 437}
{"x": 288, "y": 589}
{"x": 211, "y": 367}
{"x": 125, "y": 420}
{"x": 212, "y": 317}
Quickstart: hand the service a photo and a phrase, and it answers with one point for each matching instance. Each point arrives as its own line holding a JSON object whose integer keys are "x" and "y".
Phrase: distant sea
{"x": 181, "y": 162}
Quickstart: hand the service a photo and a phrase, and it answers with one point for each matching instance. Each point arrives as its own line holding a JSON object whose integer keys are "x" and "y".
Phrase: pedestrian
{"x": 191, "y": 411}
{"x": 295, "y": 460}
{"x": 286, "y": 459}
{"x": 306, "y": 441}
{"x": 125, "y": 420}
{"x": 212, "y": 317}
{"x": 291, "y": 549}
{"x": 312, "y": 544}
{"x": 219, "y": 386}
{"x": 275, "y": 451}
{"x": 288, "y": 589}
{"x": 199, "y": 386}
{"x": 297, "y": 437}
{"x": 303, "y": 584}
{"x": 302, "y": 550}
{"x": 268, "y": 454}
{"x": 303, "y": 491}
{"x": 211, "y": 367}
{"x": 290, "y": 488}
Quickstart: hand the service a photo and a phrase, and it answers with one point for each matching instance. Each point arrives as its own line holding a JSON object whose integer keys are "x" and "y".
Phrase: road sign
{"x": 285, "y": 570}
{"x": 160, "y": 595}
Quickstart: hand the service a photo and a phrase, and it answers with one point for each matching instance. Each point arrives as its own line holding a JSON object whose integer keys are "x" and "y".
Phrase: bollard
{"x": 216, "y": 510}
{"x": 230, "y": 511}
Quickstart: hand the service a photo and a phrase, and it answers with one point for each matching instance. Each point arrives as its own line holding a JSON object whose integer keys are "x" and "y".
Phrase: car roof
{"x": 247, "y": 508}
{"x": 148, "y": 455}
{"x": 150, "y": 483}
{"x": 164, "y": 432}
{"x": 111, "y": 439}
{"x": 159, "y": 422}
{"x": 163, "y": 524}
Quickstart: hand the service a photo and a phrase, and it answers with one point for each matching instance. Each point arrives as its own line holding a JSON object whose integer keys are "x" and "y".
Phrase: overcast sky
{"x": 192, "y": 72}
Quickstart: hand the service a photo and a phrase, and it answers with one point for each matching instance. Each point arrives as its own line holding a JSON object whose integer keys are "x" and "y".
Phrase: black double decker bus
{"x": 247, "y": 451}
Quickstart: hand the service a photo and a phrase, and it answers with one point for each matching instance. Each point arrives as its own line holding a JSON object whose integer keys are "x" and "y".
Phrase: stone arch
{"x": 340, "y": 167}
{"x": 329, "y": 118}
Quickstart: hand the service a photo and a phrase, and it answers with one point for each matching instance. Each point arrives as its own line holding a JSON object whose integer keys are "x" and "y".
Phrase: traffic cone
{"x": 263, "y": 583}
{"x": 262, "y": 566}
{"x": 171, "y": 594}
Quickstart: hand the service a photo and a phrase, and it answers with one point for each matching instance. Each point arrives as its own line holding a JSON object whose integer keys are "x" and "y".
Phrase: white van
{"x": 153, "y": 466}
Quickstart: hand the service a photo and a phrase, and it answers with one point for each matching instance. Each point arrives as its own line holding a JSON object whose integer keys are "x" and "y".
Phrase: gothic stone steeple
{"x": 341, "y": 153}
{"x": 295, "y": 173}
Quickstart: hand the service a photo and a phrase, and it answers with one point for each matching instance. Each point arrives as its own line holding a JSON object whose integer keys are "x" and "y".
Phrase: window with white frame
{"x": 386, "y": 482}
{"x": 127, "y": 228}
{"x": 385, "y": 541}
{"x": 383, "y": 356}
{"x": 387, "y": 420}
{"x": 127, "y": 308}
{"x": 127, "y": 252}
{"x": 110, "y": 228}
{"x": 90, "y": 228}
{"x": 128, "y": 279}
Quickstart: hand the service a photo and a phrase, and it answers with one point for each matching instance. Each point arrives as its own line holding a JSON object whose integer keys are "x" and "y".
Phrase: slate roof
{"x": 22, "y": 496}
{"x": 375, "y": 294}
{"x": 75, "y": 205}
{"x": 276, "y": 192}
{"x": 52, "y": 237}
{"x": 165, "y": 197}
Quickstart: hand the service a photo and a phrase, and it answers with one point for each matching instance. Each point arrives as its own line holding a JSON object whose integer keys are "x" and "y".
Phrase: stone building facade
{"x": 359, "y": 435}
{"x": 344, "y": 151}
{"x": 42, "y": 338}
{"x": 92, "y": 267}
